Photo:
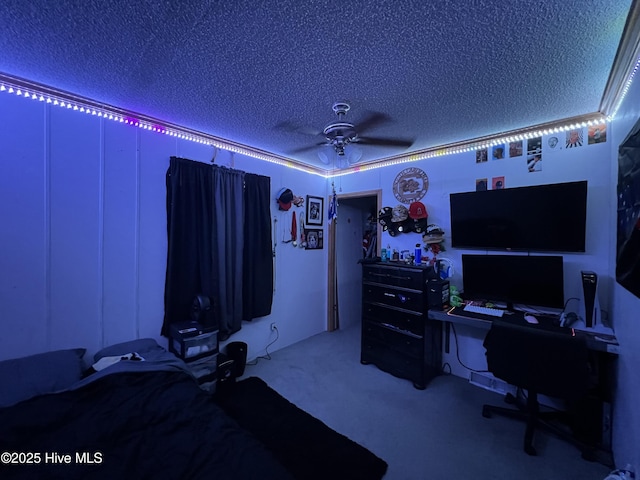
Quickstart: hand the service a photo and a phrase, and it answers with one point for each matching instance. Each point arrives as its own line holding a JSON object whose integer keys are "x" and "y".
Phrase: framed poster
{"x": 314, "y": 238}
{"x": 315, "y": 210}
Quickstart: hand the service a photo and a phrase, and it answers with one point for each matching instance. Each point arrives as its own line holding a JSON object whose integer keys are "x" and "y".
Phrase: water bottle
{"x": 383, "y": 255}
{"x": 418, "y": 254}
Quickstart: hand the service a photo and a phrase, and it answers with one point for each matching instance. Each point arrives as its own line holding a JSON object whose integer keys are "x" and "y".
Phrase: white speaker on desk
{"x": 590, "y": 306}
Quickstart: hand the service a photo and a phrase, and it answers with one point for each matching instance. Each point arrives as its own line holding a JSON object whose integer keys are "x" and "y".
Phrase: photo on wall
{"x": 515, "y": 149}
{"x": 597, "y": 134}
{"x": 534, "y": 163}
{"x": 482, "y": 155}
{"x": 554, "y": 143}
{"x": 315, "y": 210}
{"x": 314, "y": 238}
{"x": 498, "y": 152}
{"x": 534, "y": 146}
{"x": 481, "y": 184}
{"x": 497, "y": 183}
{"x": 574, "y": 138}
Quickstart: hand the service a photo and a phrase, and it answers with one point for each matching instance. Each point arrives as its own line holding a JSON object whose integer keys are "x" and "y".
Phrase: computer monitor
{"x": 528, "y": 280}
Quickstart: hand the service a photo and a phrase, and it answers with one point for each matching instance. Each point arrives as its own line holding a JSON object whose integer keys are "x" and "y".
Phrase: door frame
{"x": 333, "y": 314}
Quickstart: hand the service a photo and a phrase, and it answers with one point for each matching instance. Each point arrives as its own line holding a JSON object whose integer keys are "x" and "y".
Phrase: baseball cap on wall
{"x": 284, "y": 197}
{"x": 417, "y": 210}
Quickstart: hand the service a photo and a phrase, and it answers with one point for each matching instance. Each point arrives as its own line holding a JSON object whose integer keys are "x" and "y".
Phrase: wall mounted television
{"x": 541, "y": 218}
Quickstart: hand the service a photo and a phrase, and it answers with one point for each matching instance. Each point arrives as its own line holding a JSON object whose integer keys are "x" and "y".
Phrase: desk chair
{"x": 543, "y": 361}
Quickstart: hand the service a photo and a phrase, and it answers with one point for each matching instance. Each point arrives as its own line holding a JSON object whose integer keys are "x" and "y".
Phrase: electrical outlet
{"x": 273, "y": 327}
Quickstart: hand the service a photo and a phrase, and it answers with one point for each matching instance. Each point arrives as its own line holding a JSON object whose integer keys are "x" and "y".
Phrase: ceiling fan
{"x": 341, "y": 133}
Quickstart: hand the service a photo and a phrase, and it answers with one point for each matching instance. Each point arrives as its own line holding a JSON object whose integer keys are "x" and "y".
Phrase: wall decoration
{"x": 410, "y": 185}
{"x": 497, "y": 183}
{"x": 515, "y": 149}
{"x": 315, "y": 209}
{"x": 313, "y": 237}
{"x": 628, "y": 231}
{"x": 481, "y": 184}
{"x": 534, "y": 146}
{"x": 534, "y": 163}
{"x": 498, "y": 152}
{"x": 481, "y": 155}
{"x": 574, "y": 138}
{"x": 553, "y": 142}
{"x": 597, "y": 134}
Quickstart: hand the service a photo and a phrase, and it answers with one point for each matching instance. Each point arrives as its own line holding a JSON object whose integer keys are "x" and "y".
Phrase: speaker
{"x": 590, "y": 297}
{"x": 237, "y": 351}
{"x": 202, "y": 311}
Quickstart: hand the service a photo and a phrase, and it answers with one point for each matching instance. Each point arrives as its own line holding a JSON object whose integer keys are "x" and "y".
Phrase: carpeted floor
{"x": 426, "y": 434}
{"x": 307, "y": 447}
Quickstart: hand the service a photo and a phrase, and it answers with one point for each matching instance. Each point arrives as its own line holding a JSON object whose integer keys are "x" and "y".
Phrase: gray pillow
{"x": 49, "y": 372}
{"x": 139, "y": 346}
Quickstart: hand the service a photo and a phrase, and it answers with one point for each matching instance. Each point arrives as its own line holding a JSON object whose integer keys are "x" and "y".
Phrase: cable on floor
{"x": 267, "y": 355}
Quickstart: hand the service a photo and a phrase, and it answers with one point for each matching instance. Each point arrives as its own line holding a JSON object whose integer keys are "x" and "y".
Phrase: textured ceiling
{"x": 266, "y": 73}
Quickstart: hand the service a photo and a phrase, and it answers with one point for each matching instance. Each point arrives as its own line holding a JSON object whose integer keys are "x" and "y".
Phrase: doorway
{"x": 353, "y": 235}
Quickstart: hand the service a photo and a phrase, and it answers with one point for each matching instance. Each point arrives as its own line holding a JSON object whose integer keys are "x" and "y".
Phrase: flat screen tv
{"x": 530, "y": 280}
{"x": 541, "y": 218}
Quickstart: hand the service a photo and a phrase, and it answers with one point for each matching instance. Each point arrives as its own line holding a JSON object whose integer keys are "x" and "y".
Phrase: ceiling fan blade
{"x": 373, "y": 119}
{"x": 308, "y": 148}
{"x": 292, "y": 127}
{"x": 390, "y": 142}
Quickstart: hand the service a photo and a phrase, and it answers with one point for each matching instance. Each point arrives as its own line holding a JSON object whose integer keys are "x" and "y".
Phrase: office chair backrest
{"x": 547, "y": 361}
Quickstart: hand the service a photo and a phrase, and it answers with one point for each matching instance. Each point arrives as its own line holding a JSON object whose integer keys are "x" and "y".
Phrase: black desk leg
{"x": 447, "y": 336}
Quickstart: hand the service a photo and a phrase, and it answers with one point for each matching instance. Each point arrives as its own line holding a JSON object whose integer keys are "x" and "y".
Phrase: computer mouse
{"x": 531, "y": 319}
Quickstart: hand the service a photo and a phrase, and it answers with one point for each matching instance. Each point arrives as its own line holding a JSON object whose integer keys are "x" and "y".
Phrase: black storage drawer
{"x": 396, "y": 297}
{"x": 406, "y": 277}
{"x": 401, "y": 319}
{"x": 396, "y": 340}
{"x": 402, "y": 366}
{"x": 397, "y": 337}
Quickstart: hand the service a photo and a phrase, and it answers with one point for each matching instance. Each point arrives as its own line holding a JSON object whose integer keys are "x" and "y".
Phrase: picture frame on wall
{"x": 314, "y": 238}
{"x": 315, "y": 210}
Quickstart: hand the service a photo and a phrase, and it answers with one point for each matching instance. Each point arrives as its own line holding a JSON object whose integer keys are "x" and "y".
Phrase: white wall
{"x": 83, "y": 237}
{"x": 625, "y": 307}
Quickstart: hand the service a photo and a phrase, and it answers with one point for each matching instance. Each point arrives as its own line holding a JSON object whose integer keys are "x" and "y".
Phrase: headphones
{"x": 445, "y": 268}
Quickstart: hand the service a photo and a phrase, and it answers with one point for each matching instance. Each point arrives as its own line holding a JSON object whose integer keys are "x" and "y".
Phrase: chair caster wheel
{"x": 418, "y": 386}
{"x": 530, "y": 450}
{"x": 364, "y": 362}
{"x": 486, "y": 413}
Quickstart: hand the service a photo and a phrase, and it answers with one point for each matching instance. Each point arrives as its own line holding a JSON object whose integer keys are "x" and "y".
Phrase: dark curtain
{"x": 258, "y": 256}
{"x": 206, "y": 207}
{"x": 189, "y": 231}
{"x": 228, "y": 246}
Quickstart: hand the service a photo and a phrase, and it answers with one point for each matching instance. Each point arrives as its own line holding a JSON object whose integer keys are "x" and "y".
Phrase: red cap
{"x": 418, "y": 210}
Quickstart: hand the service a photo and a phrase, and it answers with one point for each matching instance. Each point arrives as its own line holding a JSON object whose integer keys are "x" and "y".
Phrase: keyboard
{"x": 494, "y": 312}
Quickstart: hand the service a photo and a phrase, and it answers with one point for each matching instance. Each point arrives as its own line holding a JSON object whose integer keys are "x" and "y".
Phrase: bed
{"x": 138, "y": 411}
{"x": 146, "y": 419}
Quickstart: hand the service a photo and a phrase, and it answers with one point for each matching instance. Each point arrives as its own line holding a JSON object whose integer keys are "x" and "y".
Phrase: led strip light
{"x": 37, "y": 92}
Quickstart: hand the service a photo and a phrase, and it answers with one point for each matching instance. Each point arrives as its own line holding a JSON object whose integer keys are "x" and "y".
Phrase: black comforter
{"x": 142, "y": 425}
